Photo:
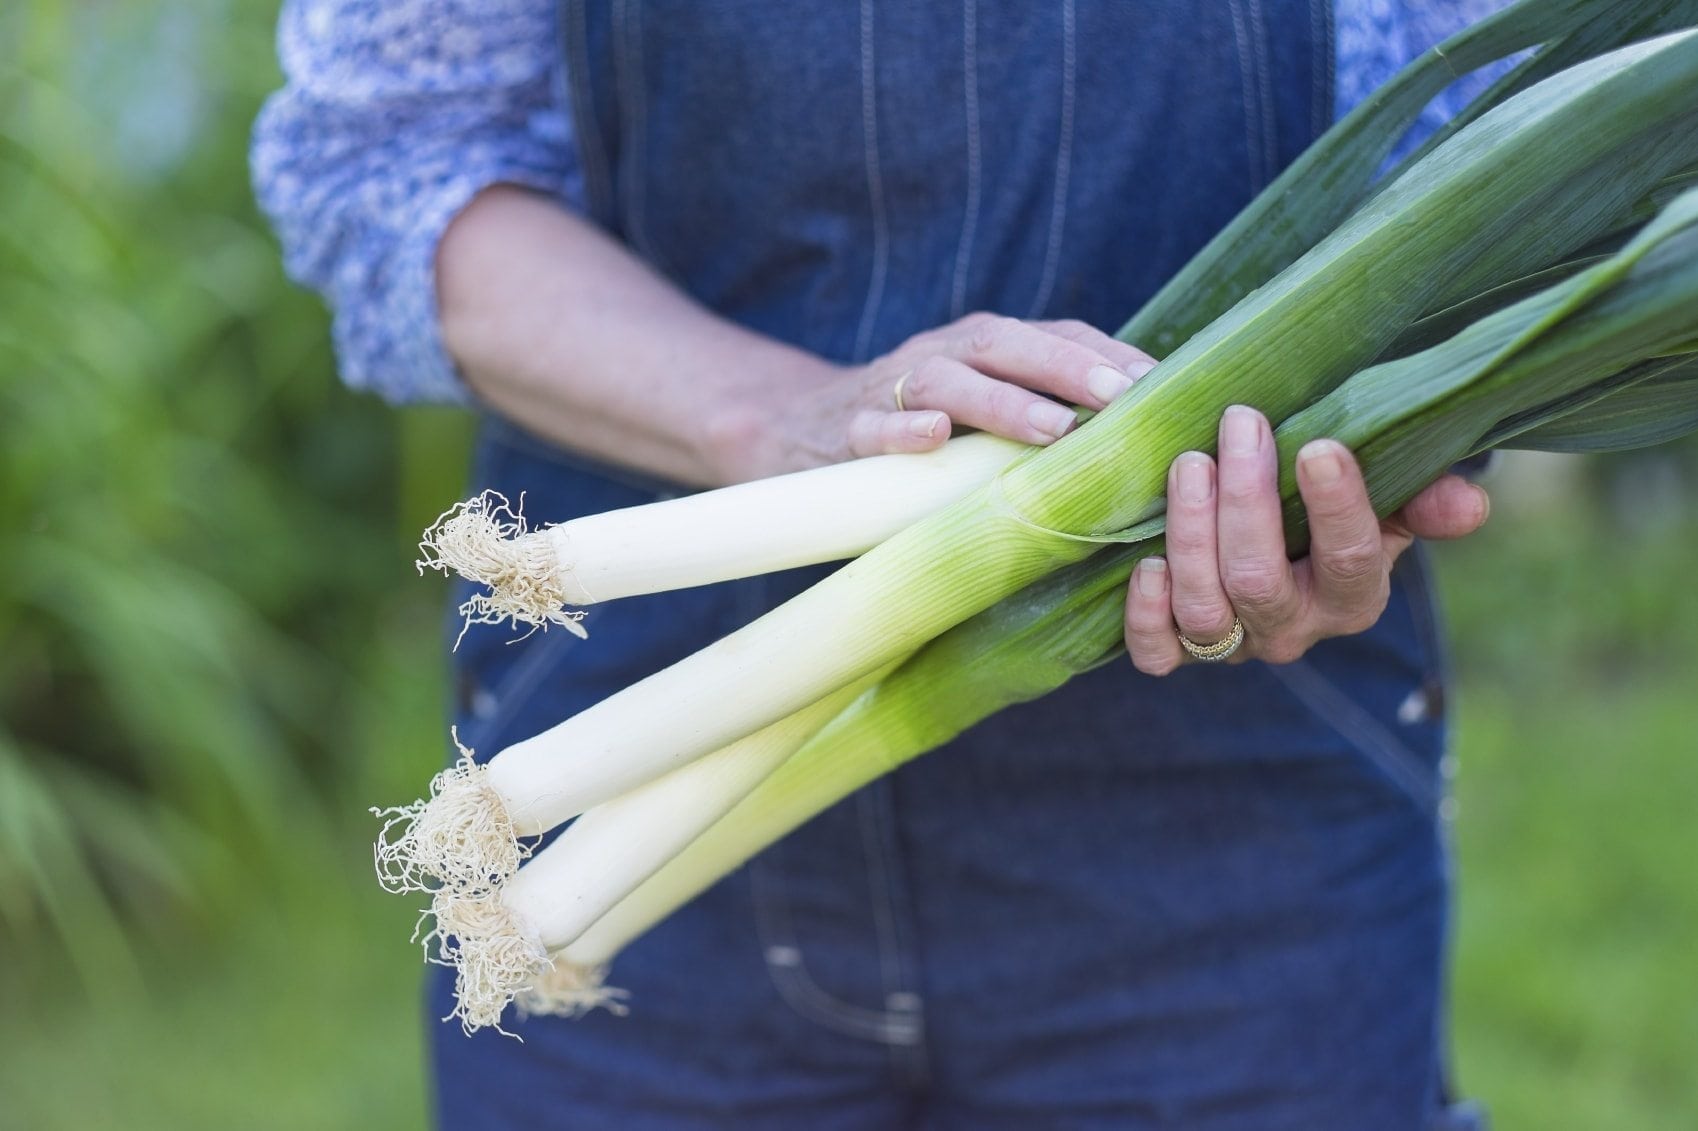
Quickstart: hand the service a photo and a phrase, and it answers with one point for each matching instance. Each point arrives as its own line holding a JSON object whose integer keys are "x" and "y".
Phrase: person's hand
{"x": 1226, "y": 552}
{"x": 986, "y": 372}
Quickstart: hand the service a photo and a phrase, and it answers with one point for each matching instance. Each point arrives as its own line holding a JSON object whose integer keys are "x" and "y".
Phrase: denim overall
{"x": 1207, "y": 902}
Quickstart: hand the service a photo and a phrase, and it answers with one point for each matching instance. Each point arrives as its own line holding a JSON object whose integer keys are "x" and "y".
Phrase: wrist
{"x": 755, "y": 428}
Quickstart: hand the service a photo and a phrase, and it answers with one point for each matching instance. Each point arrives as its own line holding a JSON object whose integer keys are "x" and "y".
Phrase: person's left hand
{"x": 1226, "y": 550}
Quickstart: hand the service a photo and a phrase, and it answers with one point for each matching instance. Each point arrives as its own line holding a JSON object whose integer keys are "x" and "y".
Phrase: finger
{"x": 1253, "y": 567}
{"x": 1348, "y": 564}
{"x": 1150, "y": 639}
{"x": 977, "y": 401}
{"x": 1450, "y": 508}
{"x": 1134, "y": 361}
{"x": 1025, "y": 355}
{"x": 1200, "y": 605}
{"x": 891, "y": 433}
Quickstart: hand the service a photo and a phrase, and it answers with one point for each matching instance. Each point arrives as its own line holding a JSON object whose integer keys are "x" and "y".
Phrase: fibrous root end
{"x": 567, "y": 989}
{"x": 458, "y": 839}
{"x": 484, "y": 539}
{"x": 493, "y": 955}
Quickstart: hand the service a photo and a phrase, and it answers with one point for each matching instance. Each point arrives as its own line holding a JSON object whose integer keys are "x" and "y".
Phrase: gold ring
{"x": 897, "y": 392}
{"x": 1218, "y": 651}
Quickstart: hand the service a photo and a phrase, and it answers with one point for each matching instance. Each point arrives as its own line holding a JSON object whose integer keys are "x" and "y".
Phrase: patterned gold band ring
{"x": 1221, "y": 650}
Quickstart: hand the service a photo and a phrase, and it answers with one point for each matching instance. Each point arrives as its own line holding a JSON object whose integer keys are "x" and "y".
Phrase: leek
{"x": 548, "y": 576}
{"x": 1524, "y": 369}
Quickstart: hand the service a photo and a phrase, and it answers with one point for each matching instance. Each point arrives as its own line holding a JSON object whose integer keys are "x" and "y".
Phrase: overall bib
{"x": 1212, "y": 901}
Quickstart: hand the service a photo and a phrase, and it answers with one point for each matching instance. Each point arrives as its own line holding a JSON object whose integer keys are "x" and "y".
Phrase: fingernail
{"x": 1485, "y": 503}
{"x": 1152, "y": 577}
{"x": 1196, "y": 478}
{"x": 925, "y": 424}
{"x": 1321, "y": 463}
{"x": 1104, "y": 383}
{"x": 1050, "y": 418}
{"x": 1140, "y": 369}
{"x": 1241, "y": 431}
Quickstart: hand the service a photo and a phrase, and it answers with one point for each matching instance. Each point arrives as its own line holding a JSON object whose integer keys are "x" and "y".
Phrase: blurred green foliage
{"x": 216, "y": 653}
{"x": 207, "y": 600}
{"x": 1576, "y": 627}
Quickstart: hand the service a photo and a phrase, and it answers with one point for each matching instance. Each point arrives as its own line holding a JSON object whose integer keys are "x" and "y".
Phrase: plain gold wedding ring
{"x": 897, "y": 392}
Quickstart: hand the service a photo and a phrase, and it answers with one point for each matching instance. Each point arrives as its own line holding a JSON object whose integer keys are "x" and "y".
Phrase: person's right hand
{"x": 986, "y": 372}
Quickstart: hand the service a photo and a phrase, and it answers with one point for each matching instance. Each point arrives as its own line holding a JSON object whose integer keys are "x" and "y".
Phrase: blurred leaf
{"x": 202, "y": 528}
{"x": 43, "y": 865}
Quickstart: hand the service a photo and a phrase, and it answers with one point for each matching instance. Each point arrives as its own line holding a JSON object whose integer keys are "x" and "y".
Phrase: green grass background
{"x": 214, "y": 654}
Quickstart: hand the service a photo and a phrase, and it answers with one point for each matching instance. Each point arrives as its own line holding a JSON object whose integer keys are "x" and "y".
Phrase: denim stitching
{"x": 875, "y": 187}
{"x": 1321, "y": 30}
{"x": 1246, "y": 76}
{"x": 1264, "y": 87}
{"x": 633, "y": 98}
{"x": 891, "y": 974}
{"x": 1393, "y": 758}
{"x": 1063, "y": 161}
{"x": 873, "y": 805}
{"x": 560, "y": 78}
{"x": 587, "y": 130}
{"x": 1411, "y": 577}
{"x": 797, "y": 987}
{"x": 970, "y": 220}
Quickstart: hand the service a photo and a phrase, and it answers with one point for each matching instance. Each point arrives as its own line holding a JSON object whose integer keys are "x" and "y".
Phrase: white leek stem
{"x": 823, "y": 515}
{"x": 613, "y": 848}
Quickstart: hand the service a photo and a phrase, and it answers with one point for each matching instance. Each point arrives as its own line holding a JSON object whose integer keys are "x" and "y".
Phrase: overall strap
{"x": 844, "y": 174}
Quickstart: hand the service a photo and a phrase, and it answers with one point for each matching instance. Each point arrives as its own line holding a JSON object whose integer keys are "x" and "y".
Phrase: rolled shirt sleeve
{"x": 394, "y": 115}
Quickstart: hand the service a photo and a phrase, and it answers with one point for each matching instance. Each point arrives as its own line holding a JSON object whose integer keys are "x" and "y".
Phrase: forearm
{"x": 564, "y": 331}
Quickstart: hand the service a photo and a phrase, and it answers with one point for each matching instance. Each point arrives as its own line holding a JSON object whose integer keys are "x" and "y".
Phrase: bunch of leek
{"x": 1619, "y": 338}
{"x": 1503, "y": 286}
